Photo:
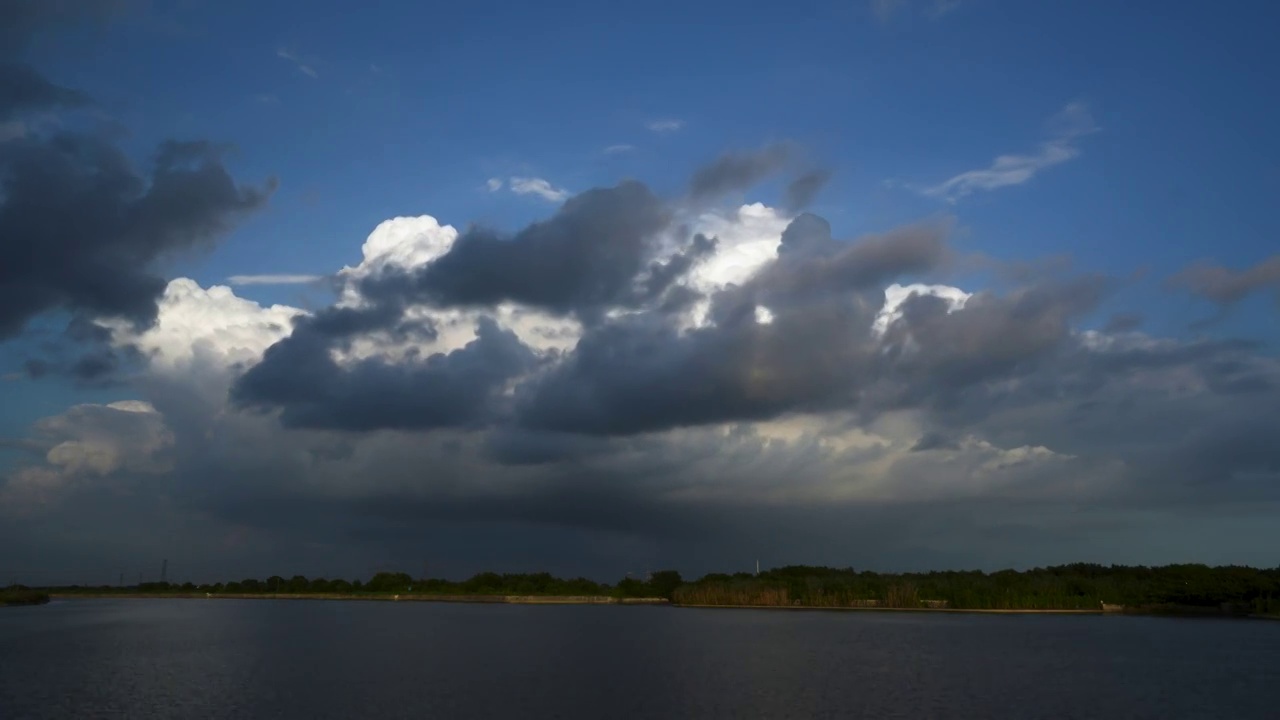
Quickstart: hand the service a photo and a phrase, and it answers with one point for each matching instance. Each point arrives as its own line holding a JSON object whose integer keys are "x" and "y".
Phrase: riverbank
{"x": 384, "y": 597}
{"x": 982, "y": 611}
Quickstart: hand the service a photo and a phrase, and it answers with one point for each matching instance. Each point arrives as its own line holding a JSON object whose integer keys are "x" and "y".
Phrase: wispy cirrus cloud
{"x": 665, "y": 125}
{"x": 885, "y": 10}
{"x": 1071, "y": 123}
{"x": 619, "y": 149}
{"x": 273, "y": 279}
{"x": 304, "y": 67}
{"x": 941, "y": 8}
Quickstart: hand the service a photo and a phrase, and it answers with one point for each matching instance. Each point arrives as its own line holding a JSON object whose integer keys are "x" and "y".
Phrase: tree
{"x": 664, "y": 583}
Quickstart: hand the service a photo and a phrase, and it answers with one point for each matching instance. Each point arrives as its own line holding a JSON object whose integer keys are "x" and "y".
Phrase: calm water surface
{"x": 314, "y": 659}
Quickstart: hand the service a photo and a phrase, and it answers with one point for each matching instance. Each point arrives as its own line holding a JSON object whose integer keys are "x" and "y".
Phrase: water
{"x": 315, "y": 659}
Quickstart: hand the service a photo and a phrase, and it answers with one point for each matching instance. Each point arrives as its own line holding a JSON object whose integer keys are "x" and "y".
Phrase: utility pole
{"x": 757, "y": 568}
{"x": 164, "y": 570}
{"x": 121, "y": 578}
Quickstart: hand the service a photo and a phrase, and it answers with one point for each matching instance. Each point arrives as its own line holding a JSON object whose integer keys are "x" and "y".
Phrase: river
{"x": 316, "y": 659}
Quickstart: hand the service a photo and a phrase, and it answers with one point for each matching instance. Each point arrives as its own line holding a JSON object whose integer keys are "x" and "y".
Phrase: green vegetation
{"x": 1067, "y": 587}
{"x": 18, "y": 595}
{"x": 657, "y": 585}
{"x": 1172, "y": 588}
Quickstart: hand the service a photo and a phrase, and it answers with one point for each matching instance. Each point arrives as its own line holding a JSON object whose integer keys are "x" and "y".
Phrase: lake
{"x": 315, "y": 659}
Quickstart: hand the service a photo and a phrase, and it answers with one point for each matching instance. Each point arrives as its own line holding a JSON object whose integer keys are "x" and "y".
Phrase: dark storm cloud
{"x": 934, "y": 352}
{"x": 1180, "y": 423}
{"x": 802, "y": 190}
{"x": 934, "y": 440}
{"x": 634, "y": 374}
{"x": 1123, "y": 322}
{"x": 737, "y": 171}
{"x": 582, "y": 260}
{"x": 811, "y": 264}
{"x": 1224, "y": 286}
{"x": 81, "y": 231}
{"x": 514, "y": 446}
{"x": 643, "y": 374}
{"x": 22, "y": 89}
{"x": 299, "y": 376}
{"x": 21, "y": 20}
{"x": 96, "y": 367}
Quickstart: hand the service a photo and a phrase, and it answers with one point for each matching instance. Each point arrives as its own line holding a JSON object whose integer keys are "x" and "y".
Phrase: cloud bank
{"x": 638, "y": 380}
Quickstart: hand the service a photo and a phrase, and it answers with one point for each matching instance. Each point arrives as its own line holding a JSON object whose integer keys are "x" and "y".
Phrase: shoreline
{"x": 651, "y": 601}
{"x": 375, "y": 597}
{"x": 982, "y": 611}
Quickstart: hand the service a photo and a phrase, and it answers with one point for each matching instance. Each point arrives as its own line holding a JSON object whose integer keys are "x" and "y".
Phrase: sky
{"x": 306, "y": 288}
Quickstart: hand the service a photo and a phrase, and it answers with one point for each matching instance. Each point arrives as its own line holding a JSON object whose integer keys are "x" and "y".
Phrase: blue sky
{"x": 405, "y": 109}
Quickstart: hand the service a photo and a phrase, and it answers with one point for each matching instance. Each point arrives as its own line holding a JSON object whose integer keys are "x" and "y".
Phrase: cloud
{"x": 884, "y": 10}
{"x": 618, "y": 149}
{"x": 87, "y": 443}
{"x": 666, "y": 125}
{"x": 1072, "y": 123}
{"x": 735, "y": 172}
{"x": 536, "y": 186}
{"x": 446, "y": 389}
{"x": 939, "y": 9}
{"x": 638, "y": 381}
{"x": 87, "y": 230}
{"x": 22, "y": 89}
{"x": 494, "y": 184}
{"x": 24, "y": 19}
{"x": 580, "y": 261}
{"x": 199, "y": 331}
{"x": 802, "y": 190}
{"x": 303, "y": 67}
{"x": 273, "y": 279}
{"x": 1224, "y": 286}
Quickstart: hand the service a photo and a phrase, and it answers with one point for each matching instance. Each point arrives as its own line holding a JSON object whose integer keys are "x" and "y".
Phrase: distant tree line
{"x": 1066, "y": 587}
{"x": 658, "y": 584}
{"x": 19, "y": 595}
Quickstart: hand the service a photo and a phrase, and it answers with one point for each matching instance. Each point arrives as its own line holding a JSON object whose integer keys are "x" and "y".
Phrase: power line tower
{"x": 164, "y": 570}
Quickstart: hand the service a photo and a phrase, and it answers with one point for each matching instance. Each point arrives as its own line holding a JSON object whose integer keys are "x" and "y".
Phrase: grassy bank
{"x": 22, "y": 596}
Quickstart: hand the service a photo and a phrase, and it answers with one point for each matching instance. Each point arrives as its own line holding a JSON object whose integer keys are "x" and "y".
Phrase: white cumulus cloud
{"x": 895, "y": 295}
{"x": 537, "y": 186}
{"x": 210, "y": 325}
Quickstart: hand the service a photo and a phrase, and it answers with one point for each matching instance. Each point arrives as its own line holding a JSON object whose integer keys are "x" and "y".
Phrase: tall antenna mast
{"x": 164, "y": 570}
{"x": 757, "y": 567}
